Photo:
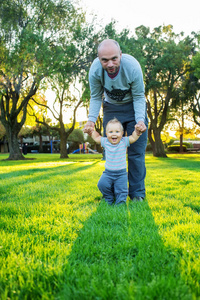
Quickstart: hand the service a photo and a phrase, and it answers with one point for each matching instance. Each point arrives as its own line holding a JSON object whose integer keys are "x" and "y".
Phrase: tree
{"x": 167, "y": 59}
{"x": 196, "y": 59}
{"x": 30, "y": 32}
{"x": 180, "y": 107}
{"x": 196, "y": 109}
{"x": 196, "y": 86}
{"x": 58, "y": 113}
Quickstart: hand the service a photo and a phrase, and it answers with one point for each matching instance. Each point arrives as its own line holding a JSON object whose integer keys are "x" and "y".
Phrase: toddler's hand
{"x": 89, "y": 127}
{"x": 138, "y": 129}
{"x": 90, "y": 131}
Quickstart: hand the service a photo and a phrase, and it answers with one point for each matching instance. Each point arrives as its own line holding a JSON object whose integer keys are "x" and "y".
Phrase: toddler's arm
{"x": 96, "y": 137}
{"x": 133, "y": 138}
{"x": 136, "y": 134}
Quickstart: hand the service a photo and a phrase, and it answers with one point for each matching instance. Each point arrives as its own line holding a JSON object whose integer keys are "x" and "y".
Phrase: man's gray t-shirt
{"x": 127, "y": 86}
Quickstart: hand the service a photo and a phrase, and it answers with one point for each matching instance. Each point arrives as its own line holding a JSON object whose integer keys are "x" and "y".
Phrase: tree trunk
{"x": 63, "y": 145}
{"x": 40, "y": 143}
{"x": 159, "y": 147}
{"x": 15, "y": 152}
{"x": 181, "y": 143}
{"x": 5, "y": 144}
{"x": 157, "y": 144}
{"x": 182, "y": 127}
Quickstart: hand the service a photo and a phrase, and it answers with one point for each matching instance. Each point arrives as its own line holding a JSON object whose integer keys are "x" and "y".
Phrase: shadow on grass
{"x": 120, "y": 255}
{"x": 44, "y": 157}
{"x": 182, "y": 161}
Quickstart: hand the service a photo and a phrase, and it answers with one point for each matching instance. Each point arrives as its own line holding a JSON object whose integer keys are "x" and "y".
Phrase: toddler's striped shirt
{"x": 115, "y": 154}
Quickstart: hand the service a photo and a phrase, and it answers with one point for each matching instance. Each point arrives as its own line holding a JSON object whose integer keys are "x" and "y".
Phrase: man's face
{"x": 114, "y": 133}
{"x": 110, "y": 57}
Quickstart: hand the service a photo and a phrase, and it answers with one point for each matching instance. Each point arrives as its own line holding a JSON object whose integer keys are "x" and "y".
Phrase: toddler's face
{"x": 114, "y": 133}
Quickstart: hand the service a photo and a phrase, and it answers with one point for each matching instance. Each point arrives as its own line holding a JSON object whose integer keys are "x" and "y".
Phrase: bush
{"x": 176, "y": 148}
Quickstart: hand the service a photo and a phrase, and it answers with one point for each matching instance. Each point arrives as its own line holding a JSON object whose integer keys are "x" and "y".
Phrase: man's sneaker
{"x": 137, "y": 199}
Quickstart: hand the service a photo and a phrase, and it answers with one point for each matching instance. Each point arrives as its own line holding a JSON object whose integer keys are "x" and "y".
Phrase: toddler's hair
{"x": 113, "y": 121}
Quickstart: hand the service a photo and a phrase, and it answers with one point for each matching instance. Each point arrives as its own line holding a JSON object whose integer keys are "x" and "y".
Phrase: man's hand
{"x": 140, "y": 127}
{"x": 89, "y": 127}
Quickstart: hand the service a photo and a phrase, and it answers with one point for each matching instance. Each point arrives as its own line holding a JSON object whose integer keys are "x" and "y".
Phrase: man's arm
{"x": 138, "y": 91}
{"x": 96, "y": 92}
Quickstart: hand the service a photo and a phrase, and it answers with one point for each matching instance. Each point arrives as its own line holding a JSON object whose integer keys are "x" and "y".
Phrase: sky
{"x": 183, "y": 15}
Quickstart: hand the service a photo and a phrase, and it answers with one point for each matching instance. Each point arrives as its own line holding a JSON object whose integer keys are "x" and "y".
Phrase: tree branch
{"x": 46, "y": 106}
{"x": 74, "y": 119}
{"x": 42, "y": 122}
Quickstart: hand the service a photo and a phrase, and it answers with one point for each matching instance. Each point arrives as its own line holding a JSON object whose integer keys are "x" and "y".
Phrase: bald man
{"x": 117, "y": 80}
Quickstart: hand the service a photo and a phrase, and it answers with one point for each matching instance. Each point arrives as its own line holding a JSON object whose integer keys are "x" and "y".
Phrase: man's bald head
{"x": 109, "y": 54}
{"x": 108, "y": 43}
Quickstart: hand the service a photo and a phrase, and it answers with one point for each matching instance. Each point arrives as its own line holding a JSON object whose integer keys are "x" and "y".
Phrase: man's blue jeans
{"x": 136, "y": 152}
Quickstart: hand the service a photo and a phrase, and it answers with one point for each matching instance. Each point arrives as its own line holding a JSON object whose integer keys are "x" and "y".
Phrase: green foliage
{"x": 196, "y": 64}
{"x": 59, "y": 241}
{"x": 76, "y": 136}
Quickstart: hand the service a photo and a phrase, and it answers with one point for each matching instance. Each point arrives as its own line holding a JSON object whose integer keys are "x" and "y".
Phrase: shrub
{"x": 176, "y": 148}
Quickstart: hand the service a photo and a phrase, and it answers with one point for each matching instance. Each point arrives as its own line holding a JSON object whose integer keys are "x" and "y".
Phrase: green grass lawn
{"x": 59, "y": 241}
